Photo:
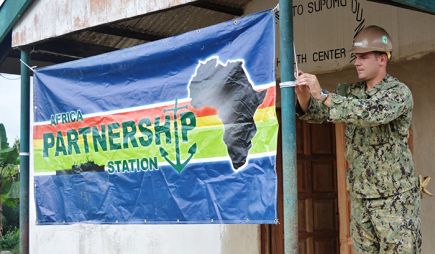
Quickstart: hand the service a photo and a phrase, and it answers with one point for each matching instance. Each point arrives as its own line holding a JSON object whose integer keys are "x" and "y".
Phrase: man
{"x": 377, "y": 111}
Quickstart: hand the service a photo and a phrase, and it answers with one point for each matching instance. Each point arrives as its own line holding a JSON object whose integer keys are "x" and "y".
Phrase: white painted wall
{"x": 316, "y": 32}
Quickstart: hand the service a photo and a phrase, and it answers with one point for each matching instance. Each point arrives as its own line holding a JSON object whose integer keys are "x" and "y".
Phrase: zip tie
{"x": 287, "y": 84}
{"x": 31, "y": 68}
{"x": 276, "y": 8}
{"x": 24, "y": 154}
{"x": 276, "y": 11}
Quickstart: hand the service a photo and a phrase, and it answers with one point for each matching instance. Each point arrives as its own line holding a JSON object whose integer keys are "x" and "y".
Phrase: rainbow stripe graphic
{"x": 208, "y": 135}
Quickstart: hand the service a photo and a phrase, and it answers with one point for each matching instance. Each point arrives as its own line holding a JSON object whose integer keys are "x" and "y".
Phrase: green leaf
{"x": 14, "y": 191}
{"x": 5, "y": 186}
{"x": 3, "y": 138}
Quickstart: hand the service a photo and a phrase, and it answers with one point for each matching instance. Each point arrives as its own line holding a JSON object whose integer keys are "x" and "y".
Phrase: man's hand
{"x": 310, "y": 81}
{"x": 302, "y": 93}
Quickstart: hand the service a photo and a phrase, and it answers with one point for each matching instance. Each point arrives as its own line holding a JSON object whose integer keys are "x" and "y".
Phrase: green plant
{"x": 9, "y": 174}
{"x": 10, "y": 240}
{"x": 11, "y": 216}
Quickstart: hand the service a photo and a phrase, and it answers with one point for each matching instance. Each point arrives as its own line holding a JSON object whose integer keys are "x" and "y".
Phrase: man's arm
{"x": 382, "y": 108}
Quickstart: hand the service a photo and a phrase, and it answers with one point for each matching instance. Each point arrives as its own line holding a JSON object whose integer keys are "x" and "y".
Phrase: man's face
{"x": 368, "y": 65}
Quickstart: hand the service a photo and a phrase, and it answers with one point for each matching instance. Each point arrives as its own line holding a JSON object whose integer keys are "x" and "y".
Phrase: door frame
{"x": 342, "y": 194}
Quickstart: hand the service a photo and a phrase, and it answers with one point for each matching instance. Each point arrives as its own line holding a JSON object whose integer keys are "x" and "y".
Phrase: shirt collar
{"x": 359, "y": 90}
{"x": 386, "y": 83}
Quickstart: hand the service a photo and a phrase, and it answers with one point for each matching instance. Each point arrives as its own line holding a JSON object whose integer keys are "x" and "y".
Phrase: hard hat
{"x": 372, "y": 38}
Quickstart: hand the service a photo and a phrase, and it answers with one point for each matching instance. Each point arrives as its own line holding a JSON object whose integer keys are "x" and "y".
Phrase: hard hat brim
{"x": 358, "y": 50}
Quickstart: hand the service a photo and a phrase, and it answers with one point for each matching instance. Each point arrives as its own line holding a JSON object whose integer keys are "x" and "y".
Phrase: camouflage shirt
{"x": 377, "y": 123}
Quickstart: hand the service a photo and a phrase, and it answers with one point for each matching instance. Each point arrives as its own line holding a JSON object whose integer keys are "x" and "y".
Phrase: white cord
{"x": 31, "y": 68}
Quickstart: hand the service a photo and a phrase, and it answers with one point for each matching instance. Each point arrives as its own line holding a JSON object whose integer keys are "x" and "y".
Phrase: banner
{"x": 180, "y": 130}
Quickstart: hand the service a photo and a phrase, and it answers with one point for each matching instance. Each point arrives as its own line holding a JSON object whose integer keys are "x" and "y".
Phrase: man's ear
{"x": 386, "y": 59}
{"x": 383, "y": 59}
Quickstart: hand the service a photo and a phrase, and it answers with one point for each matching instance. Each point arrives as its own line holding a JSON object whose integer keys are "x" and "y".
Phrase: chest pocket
{"x": 378, "y": 135}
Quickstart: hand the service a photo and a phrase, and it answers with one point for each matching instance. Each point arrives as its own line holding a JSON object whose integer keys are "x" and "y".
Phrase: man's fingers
{"x": 303, "y": 81}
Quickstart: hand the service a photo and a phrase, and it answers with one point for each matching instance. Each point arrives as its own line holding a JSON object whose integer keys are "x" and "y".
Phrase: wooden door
{"x": 317, "y": 194}
{"x": 317, "y": 189}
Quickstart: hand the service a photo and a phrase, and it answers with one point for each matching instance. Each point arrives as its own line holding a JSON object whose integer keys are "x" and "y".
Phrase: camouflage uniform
{"x": 384, "y": 193}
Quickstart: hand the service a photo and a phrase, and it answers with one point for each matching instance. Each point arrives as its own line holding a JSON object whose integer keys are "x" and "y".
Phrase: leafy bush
{"x": 11, "y": 217}
{"x": 9, "y": 181}
{"x": 10, "y": 240}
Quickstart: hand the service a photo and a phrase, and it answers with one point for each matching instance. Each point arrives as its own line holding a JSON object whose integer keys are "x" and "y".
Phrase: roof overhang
{"x": 113, "y": 35}
{"x": 427, "y": 6}
{"x": 10, "y": 12}
{"x": 122, "y": 33}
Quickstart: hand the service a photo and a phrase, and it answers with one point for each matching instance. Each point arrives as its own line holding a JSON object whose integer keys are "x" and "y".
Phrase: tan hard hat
{"x": 372, "y": 38}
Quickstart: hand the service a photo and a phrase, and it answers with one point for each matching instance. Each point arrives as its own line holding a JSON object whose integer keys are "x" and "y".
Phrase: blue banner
{"x": 180, "y": 130}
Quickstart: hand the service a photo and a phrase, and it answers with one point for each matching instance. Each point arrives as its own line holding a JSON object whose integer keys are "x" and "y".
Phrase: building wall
{"x": 150, "y": 239}
{"x": 323, "y": 30}
{"x": 413, "y": 63}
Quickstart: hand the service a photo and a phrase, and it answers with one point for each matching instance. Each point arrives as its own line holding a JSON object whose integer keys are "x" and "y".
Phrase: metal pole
{"x": 288, "y": 123}
{"x": 24, "y": 154}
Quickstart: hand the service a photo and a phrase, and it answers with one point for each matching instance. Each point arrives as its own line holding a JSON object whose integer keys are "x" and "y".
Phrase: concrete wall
{"x": 139, "y": 239}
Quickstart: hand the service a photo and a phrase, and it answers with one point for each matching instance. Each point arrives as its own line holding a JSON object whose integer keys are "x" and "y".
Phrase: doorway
{"x": 317, "y": 193}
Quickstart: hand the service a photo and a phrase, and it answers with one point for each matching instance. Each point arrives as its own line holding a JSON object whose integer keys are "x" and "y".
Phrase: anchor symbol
{"x": 178, "y": 166}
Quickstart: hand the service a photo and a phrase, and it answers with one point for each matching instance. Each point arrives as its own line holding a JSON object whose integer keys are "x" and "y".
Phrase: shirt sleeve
{"x": 383, "y": 107}
{"x": 316, "y": 113}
